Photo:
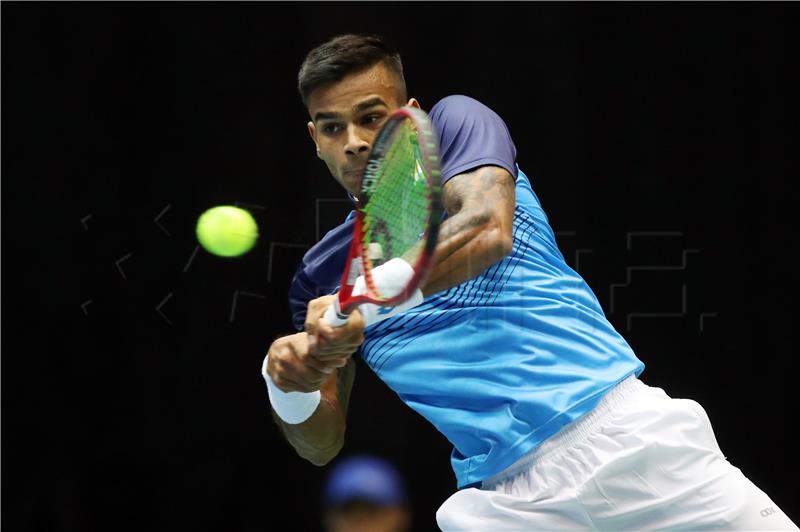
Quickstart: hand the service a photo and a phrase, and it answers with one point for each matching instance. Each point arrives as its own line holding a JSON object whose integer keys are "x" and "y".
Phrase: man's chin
{"x": 351, "y": 183}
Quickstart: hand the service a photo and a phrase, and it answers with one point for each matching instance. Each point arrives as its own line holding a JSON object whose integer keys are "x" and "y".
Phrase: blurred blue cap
{"x": 364, "y": 477}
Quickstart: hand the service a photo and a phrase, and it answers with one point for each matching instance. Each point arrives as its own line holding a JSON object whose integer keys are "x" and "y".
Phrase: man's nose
{"x": 356, "y": 143}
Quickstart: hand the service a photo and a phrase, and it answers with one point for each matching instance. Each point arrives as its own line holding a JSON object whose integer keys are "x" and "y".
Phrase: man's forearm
{"x": 320, "y": 438}
{"x": 469, "y": 242}
{"x": 478, "y": 230}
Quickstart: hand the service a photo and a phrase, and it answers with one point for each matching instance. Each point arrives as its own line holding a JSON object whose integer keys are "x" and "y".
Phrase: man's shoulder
{"x": 459, "y": 103}
{"x": 470, "y": 134}
{"x": 454, "y": 112}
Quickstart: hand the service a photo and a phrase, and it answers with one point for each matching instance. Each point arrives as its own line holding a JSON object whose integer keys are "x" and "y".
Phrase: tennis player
{"x": 509, "y": 355}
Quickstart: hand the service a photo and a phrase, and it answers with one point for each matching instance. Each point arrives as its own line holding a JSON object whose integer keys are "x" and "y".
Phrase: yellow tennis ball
{"x": 227, "y": 231}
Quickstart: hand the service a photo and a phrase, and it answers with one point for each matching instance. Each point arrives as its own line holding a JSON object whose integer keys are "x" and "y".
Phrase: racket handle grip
{"x": 333, "y": 316}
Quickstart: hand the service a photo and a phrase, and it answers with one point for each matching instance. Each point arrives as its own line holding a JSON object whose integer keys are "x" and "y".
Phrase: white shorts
{"x": 639, "y": 461}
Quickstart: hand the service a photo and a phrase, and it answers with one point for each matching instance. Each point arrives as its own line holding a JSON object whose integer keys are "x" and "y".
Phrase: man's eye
{"x": 372, "y": 119}
{"x": 330, "y": 128}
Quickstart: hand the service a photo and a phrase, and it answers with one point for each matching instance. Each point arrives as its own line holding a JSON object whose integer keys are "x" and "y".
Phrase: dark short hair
{"x": 344, "y": 55}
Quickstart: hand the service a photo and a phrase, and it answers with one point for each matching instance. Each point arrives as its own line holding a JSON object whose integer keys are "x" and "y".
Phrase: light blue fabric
{"x": 500, "y": 363}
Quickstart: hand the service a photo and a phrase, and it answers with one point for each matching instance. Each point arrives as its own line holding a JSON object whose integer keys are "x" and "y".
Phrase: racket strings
{"x": 395, "y": 218}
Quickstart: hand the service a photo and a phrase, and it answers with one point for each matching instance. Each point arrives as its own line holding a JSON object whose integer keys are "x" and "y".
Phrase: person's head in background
{"x": 365, "y": 494}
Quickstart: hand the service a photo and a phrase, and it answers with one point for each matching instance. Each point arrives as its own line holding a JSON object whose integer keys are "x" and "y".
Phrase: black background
{"x": 656, "y": 135}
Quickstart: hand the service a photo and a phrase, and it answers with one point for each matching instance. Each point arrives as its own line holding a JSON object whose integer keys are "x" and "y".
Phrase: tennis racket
{"x": 398, "y": 211}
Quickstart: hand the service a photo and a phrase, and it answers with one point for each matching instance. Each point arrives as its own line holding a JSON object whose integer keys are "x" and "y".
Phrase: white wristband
{"x": 373, "y": 313}
{"x": 292, "y": 407}
{"x": 389, "y": 278}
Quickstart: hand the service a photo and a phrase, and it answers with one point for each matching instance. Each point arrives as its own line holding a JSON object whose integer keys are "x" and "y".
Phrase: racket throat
{"x": 354, "y": 271}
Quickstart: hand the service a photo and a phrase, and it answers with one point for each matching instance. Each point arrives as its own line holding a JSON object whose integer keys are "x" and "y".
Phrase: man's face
{"x": 347, "y": 115}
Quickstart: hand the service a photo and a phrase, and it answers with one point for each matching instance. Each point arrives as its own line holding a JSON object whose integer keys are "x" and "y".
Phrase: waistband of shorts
{"x": 573, "y": 433}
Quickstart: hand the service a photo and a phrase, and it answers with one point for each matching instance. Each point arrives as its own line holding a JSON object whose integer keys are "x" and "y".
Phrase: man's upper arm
{"x": 478, "y": 158}
{"x": 486, "y": 187}
{"x": 471, "y": 136}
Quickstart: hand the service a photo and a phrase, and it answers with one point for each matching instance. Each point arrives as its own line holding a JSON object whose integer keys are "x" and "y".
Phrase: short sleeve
{"x": 471, "y": 135}
{"x": 321, "y": 271}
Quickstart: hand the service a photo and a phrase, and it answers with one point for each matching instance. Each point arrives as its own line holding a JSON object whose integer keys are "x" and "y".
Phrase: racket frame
{"x": 430, "y": 162}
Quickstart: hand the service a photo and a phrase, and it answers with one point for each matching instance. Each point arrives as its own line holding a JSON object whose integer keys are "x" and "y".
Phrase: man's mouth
{"x": 354, "y": 172}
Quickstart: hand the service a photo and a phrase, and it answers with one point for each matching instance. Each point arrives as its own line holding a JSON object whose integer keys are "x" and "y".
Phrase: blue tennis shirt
{"x": 500, "y": 363}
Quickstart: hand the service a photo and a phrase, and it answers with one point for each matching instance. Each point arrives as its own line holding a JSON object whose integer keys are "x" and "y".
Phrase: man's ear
{"x": 312, "y": 131}
{"x": 412, "y": 102}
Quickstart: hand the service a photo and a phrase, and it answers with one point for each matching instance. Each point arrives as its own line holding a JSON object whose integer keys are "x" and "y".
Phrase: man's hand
{"x": 291, "y": 366}
{"x": 302, "y": 362}
{"x": 332, "y": 345}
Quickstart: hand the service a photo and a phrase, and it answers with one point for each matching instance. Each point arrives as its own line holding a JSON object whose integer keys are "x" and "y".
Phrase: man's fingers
{"x": 326, "y": 330}
{"x": 310, "y": 376}
{"x": 326, "y": 353}
{"x": 356, "y": 320}
{"x": 312, "y": 343}
{"x": 339, "y": 345}
{"x": 286, "y": 384}
{"x": 292, "y": 368}
{"x": 323, "y": 366}
{"x": 316, "y": 310}
{"x": 352, "y": 331}
{"x": 331, "y": 345}
{"x": 307, "y": 380}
